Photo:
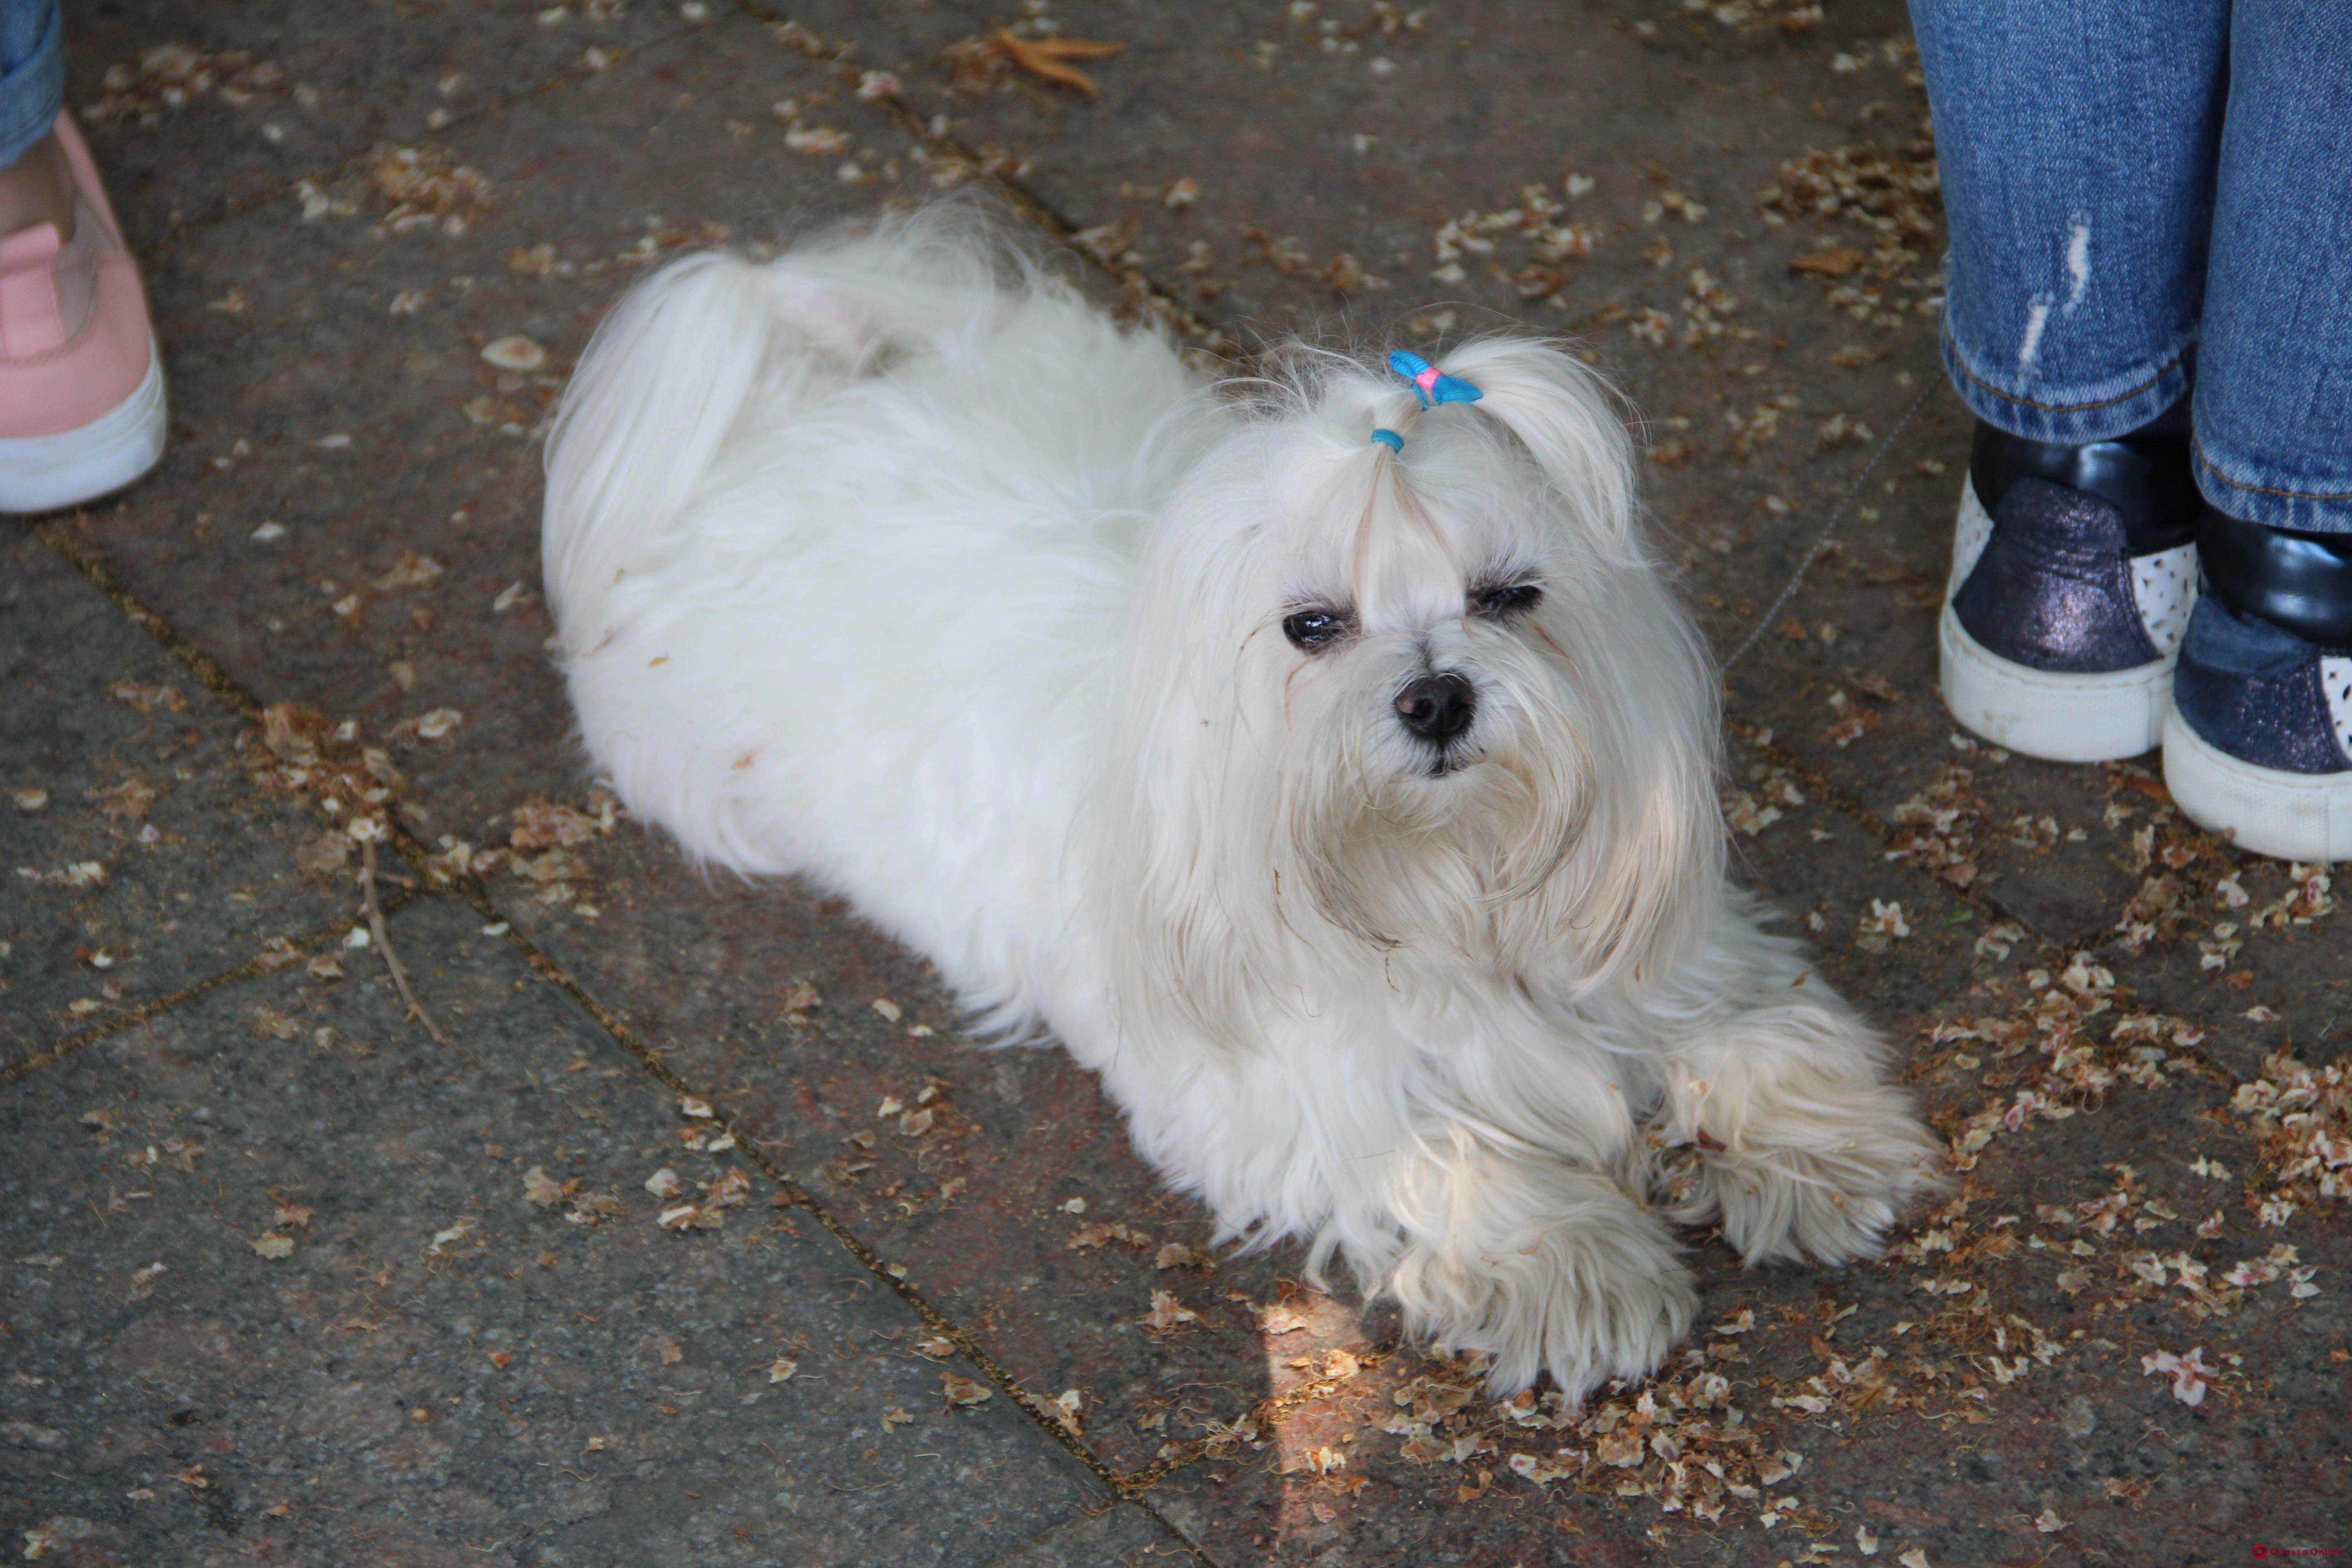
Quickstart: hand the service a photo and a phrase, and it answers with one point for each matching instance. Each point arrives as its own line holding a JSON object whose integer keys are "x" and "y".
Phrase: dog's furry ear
{"x": 1649, "y": 859}
{"x": 1646, "y": 876}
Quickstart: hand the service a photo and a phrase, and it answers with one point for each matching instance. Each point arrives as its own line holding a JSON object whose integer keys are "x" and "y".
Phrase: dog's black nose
{"x": 1437, "y": 707}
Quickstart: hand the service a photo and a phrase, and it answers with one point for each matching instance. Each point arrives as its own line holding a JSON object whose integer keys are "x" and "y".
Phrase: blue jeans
{"x": 2148, "y": 197}
{"x": 32, "y": 74}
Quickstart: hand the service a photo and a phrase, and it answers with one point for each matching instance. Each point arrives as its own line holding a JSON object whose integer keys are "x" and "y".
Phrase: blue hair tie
{"x": 1431, "y": 384}
{"x": 1390, "y": 439}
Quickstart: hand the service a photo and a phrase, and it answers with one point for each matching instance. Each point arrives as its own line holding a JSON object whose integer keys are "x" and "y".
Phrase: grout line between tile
{"x": 470, "y": 891}
{"x": 200, "y": 664}
{"x": 835, "y": 56}
{"x": 1015, "y": 1558}
{"x": 1846, "y": 804}
{"x": 267, "y": 961}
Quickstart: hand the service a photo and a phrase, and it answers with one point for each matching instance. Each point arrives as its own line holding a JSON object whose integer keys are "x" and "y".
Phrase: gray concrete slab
{"x": 140, "y": 857}
{"x": 281, "y": 1280}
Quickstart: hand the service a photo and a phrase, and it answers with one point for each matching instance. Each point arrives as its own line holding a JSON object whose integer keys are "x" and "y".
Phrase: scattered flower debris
{"x": 171, "y": 77}
{"x": 2189, "y": 1374}
{"x": 1168, "y": 1314}
{"x": 516, "y": 353}
{"x": 963, "y": 1392}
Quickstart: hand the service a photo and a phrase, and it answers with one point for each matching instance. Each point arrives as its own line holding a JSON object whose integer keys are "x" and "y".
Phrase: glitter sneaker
{"x": 2259, "y": 743}
{"x": 2074, "y": 571}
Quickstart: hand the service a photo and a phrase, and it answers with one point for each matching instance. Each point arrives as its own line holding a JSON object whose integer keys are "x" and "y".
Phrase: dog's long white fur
{"x": 893, "y": 565}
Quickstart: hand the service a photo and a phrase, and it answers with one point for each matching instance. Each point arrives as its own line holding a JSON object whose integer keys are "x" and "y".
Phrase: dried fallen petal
{"x": 515, "y": 352}
{"x": 539, "y": 1188}
{"x": 964, "y": 1391}
{"x": 1167, "y": 1313}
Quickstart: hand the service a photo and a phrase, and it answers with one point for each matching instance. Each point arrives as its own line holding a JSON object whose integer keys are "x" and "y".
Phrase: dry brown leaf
{"x": 328, "y": 852}
{"x": 1834, "y": 263}
{"x": 129, "y": 800}
{"x": 414, "y": 569}
{"x": 964, "y": 1391}
{"x": 539, "y": 1188}
{"x": 1167, "y": 1313}
{"x": 1079, "y": 48}
{"x": 730, "y": 1191}
{"x": 1047, "y": 58}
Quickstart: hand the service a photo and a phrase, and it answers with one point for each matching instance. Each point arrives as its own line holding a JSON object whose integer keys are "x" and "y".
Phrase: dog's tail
{"x": 661, "y": 385}
{"x": 664, "y": 380}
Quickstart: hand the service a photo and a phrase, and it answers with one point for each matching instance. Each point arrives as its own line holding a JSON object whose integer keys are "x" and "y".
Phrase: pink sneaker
{"x": 81, "y": 384}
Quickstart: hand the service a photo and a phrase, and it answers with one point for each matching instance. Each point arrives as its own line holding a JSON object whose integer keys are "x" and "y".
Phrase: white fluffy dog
{"x": 1350, "y": 810}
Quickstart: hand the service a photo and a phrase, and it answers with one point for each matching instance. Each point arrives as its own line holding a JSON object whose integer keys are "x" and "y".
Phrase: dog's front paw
{"x": 1587, "y": 1296}
{"x": 1827, "y": 1182}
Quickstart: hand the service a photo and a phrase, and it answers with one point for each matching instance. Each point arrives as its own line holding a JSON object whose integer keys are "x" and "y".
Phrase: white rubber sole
{"x": 42, "y": 473}
{"x": 2291, "y": 816}
{"x": 2058, "y": 718}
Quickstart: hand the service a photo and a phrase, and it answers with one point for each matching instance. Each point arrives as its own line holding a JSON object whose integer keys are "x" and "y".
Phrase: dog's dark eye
{"x": 1311, "y": 629}
{"x": 1517, "y": 599}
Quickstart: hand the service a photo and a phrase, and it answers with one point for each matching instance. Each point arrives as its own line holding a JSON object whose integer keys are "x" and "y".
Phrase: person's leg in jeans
{"x": 2078, "y": 142}
{"x": 35, "y": 185}
{"x": 2260, "y": 741}
{"x": 81, "y": 392}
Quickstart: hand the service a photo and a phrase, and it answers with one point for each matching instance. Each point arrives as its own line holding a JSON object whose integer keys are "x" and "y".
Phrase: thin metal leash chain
{"x": 1829, "y": 528}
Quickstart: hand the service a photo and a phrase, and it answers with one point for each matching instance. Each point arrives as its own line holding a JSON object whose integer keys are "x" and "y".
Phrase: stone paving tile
{"x": 185, "y": 133}
{"x": 1115, "y": 1537}
{"x": 347, "y": 404}
{"x": 1865, "y": 711}
{"x": 140, "y": 859}
{"x": 1841, "y": 892}
{"x": 423, "y": 1367}
{"x": 997, "y": 1194}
